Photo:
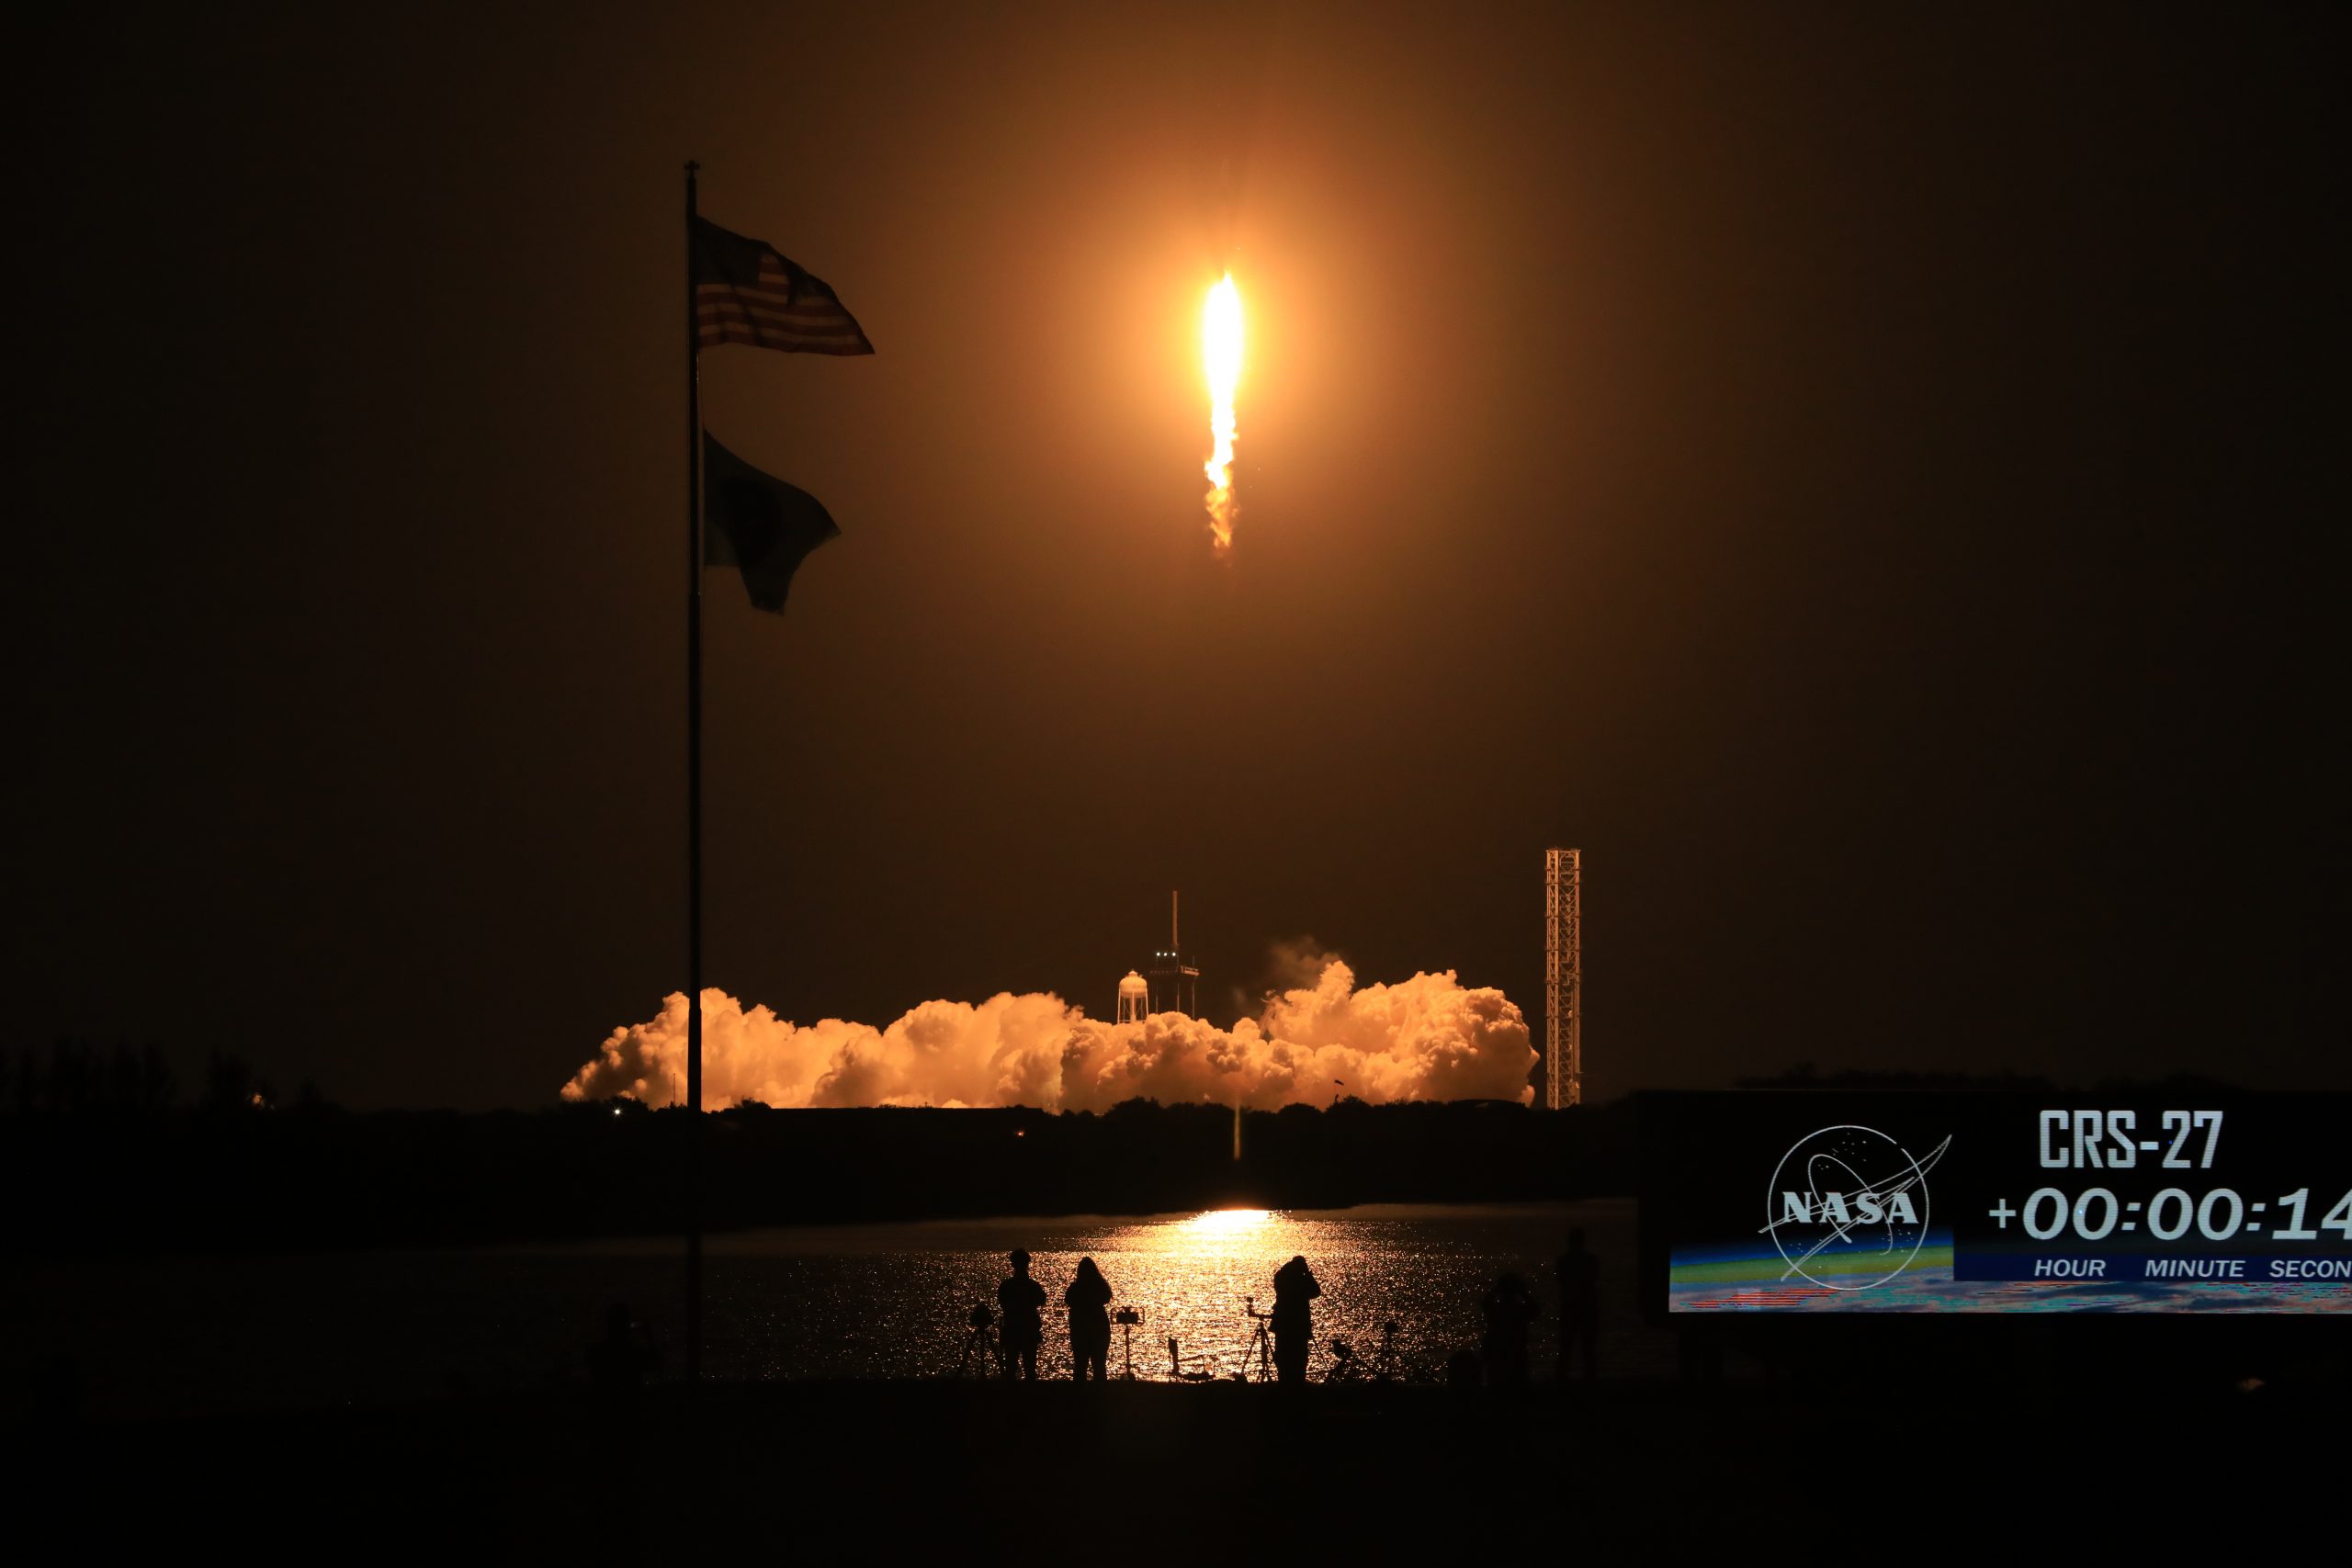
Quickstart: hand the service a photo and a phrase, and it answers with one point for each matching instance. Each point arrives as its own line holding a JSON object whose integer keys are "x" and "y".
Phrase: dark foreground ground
{"x": 1862, "y": 1468}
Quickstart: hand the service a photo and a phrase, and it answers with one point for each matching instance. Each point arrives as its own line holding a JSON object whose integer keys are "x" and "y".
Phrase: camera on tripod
{"x": 1127, "y": 1316}
{"x": 978, "y": 1350}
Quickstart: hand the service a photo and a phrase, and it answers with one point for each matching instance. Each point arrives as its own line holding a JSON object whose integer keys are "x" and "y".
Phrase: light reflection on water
{"x": 165, "y": 1336}
{"x": 890, "y": 1301}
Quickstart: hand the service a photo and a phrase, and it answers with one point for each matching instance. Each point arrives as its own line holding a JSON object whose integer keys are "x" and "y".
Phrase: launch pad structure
{"x": 1174, "y": 984}
{"x": 1563, "y": 978}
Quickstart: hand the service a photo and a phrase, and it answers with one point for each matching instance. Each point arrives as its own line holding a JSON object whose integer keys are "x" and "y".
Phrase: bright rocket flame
{"x": 1221, "y": 353}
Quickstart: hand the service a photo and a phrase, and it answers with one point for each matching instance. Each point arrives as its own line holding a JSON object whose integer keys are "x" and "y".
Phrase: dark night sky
{"x": 1870, "y": 481}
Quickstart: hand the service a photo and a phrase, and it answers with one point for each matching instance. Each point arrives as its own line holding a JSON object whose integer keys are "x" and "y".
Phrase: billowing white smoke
{"x": 1430, "y": 1038}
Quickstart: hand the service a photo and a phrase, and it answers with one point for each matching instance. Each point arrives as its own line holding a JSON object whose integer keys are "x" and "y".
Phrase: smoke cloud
{"x": 1429, "y": 1038}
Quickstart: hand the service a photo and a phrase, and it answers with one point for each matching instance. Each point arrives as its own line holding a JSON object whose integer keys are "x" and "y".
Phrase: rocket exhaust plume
{"x": 1427, "y": 1038}
{"x": 1221, "y": 355}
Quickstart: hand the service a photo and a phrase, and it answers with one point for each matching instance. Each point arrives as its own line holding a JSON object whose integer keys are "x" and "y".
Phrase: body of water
{"x": 892, "y": 1300}
{"x": 158, "y": 1337}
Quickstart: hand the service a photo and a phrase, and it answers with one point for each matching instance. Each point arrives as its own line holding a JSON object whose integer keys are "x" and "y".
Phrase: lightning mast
{"x": 1563, "y": 978}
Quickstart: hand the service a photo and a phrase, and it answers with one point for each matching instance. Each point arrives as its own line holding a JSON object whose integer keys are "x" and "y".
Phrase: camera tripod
{"x": 1262, "y": 1343}
{"x": 979, "y": 1347}
{"x": 1126, "y": 1318}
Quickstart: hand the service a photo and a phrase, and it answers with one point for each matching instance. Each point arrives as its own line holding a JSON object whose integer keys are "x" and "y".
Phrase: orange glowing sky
{"x": 1867, "y": 484}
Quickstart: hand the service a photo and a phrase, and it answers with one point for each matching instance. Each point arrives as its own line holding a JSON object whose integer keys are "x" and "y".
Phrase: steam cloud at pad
{"x": 1428, "y": 1038}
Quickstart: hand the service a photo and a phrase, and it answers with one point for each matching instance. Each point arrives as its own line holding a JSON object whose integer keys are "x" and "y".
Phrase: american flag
{"x": 748, "y": 291}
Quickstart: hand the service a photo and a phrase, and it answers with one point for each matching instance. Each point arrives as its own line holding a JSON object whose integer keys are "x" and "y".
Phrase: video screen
{"x": 1771, "y": 1201}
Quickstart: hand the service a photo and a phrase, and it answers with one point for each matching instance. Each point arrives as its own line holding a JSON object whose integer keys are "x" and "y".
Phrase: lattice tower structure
{"x": 1563, "y": 978}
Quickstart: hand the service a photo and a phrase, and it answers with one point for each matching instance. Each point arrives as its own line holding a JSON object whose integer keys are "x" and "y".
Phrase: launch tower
{"x": 1175, "y": 985}
{"x": 1563, "y": 978}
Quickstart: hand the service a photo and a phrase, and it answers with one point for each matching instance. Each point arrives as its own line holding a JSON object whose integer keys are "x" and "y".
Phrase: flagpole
{"x": 693, "y": 808}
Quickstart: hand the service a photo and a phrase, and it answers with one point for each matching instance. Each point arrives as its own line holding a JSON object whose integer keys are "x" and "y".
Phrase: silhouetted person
{"x": 1509, "y": 1307}
{"x": 1579, "y": 1304}
{"x": 1020, "y": 1306}
{"x": 1294, "y": 1287}
{"x": 1089, "y": 1299}
{"x": 619, "y": 1363}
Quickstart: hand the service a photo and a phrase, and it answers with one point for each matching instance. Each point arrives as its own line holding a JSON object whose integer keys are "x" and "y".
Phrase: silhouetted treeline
{"x": 313, "y": 1177}
{"x": 75, "y": 1078}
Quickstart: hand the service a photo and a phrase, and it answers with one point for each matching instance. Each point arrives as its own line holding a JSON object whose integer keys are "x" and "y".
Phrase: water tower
{"x": 1135, "y": 999}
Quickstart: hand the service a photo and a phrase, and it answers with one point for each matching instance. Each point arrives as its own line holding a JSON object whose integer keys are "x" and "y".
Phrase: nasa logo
{"x": 1848, "y": 1207}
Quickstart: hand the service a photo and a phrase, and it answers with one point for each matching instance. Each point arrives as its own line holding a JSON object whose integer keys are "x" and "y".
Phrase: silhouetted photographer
{"x": 1293, "y": 1319}
{"x": 1088, "y": 1297}
{"x": 620, "y": 1364}
{"x": 1021, "y": 1306}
